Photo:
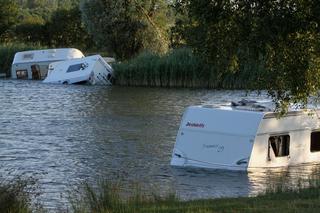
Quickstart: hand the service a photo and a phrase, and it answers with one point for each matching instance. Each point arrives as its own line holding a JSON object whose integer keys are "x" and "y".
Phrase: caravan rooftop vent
{"x": 210, "y": 106}
{"x": 52, "y": 51}
{"x": 28, "y": 56}
{"x": 249, "y": 105}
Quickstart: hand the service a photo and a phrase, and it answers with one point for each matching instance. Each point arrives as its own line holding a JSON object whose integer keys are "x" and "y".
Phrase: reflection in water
{"x": 297, "y": 176}
{"x": 203, "y": 183}
{"x": 63, "y": 134}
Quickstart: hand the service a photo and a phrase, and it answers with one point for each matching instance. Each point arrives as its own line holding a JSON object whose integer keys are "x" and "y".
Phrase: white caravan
{"x": 240, "y": 139}
{"x": 91, "y": 70}
{"x": 34, "y": 64}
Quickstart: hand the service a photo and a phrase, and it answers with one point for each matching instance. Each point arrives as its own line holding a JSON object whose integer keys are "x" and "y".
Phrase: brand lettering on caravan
{"x": 196, "y": 125}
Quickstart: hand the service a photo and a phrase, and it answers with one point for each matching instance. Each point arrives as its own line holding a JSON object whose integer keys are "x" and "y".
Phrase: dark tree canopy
{"x": 272, "y": 43}
{"x": 8, "y": 15}
{"x": 66, "y": 29}
{"x": 127, "y": 27}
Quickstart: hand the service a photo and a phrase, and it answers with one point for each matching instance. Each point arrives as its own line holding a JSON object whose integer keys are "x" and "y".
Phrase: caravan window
{"x": 75, "y": 67}
{"x": 22, "y": 74}
{"x": 315, "y": 141}
{"x": 280, "y": 145}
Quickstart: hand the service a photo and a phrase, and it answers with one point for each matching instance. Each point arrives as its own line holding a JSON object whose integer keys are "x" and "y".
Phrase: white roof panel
{"x": 46, "y": 55}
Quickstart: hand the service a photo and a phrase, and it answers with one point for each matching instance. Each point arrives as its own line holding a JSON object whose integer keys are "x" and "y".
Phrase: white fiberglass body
{"x": 91, "y": 70}
{"x": 240, "y": 139}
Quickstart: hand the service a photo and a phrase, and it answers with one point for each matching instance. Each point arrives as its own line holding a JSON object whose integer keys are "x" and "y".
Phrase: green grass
{"x": 107, "y": 198}
{"x": 16, "y": 196}
{"x": 7, "y": 52}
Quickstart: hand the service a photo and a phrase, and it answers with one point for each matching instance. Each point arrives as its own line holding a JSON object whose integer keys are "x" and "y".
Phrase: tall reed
{"x": 108, "y": 198}
{"x": 178, "y": 68}
{"x": 16, "y": 195}
{"x": 182, "y": 68}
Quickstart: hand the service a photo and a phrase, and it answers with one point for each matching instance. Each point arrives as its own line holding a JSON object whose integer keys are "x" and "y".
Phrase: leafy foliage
{"x": 125, "y": 28}
{"x": 273, "y": 42}
{"x": 66, "y": 29}
{"x": 8, "y": 15}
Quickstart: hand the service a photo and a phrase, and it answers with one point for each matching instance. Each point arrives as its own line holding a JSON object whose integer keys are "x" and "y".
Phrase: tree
{"x": 31, "y": 29}
{"x": 66, "y": 29}
{"x": 8, "y": 15}
{"x": 274, "y": 44}
{"x": 126, "y": 27}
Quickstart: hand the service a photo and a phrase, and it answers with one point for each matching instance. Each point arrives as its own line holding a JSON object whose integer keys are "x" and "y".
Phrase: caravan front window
{"x": 280, "y": 145}
{"x": 75, "y": 67}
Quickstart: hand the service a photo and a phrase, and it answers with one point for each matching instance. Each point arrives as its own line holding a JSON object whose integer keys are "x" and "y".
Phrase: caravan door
{"x": 35, "y": 71}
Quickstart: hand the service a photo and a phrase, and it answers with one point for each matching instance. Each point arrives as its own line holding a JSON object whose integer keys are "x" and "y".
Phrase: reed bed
{"x": 178, "y": 68}
{"x": 7, "y": 52}
{"x": 182, "y": 68}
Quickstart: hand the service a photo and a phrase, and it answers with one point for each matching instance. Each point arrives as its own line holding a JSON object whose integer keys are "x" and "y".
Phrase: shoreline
{"x": 107, "y": 197}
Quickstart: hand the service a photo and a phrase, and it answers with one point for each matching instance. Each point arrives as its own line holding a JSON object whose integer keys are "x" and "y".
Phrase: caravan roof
{"x": 47, "y": 55}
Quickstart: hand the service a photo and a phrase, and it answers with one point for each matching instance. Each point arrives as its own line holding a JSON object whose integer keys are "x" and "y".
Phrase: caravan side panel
{"x": 215, "y": 138}
{"x": 297, "y": 127}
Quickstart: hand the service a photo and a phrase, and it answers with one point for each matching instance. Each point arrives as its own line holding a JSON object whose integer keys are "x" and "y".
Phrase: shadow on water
{"x": 64, "y": 134}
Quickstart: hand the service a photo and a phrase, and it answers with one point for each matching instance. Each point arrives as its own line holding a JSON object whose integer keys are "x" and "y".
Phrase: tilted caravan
{"x": 34, "y": 64}
{"x": 230, "y": 138}
{"x": 91, "y": 70}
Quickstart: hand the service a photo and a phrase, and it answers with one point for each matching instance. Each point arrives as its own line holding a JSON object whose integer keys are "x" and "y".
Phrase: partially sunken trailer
{"x": 89, "y": 70}
{"x": 240, "y": 139}
{"x": 34, "y": 64}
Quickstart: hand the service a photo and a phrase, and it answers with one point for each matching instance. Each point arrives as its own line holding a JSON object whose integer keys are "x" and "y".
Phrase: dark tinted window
{"x": 315, "y": 142}
{"x": 280, "y": 145}
{"x": 74, "y": 68}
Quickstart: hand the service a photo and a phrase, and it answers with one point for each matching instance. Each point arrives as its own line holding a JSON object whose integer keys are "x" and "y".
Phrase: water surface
{"x": 65, "y": 134}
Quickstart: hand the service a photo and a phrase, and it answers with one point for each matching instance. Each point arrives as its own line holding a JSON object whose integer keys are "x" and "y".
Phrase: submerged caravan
{"x": 34, "y": 64}
{"x": 89, "y": 70}
{"x": 242, "y": 138}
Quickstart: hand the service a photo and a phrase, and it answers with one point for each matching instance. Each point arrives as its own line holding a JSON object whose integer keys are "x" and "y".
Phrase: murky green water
{"x": 64, "y": 134}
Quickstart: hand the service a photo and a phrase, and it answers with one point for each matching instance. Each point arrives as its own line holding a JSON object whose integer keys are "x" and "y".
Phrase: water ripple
{"x": 64, "y": 134}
